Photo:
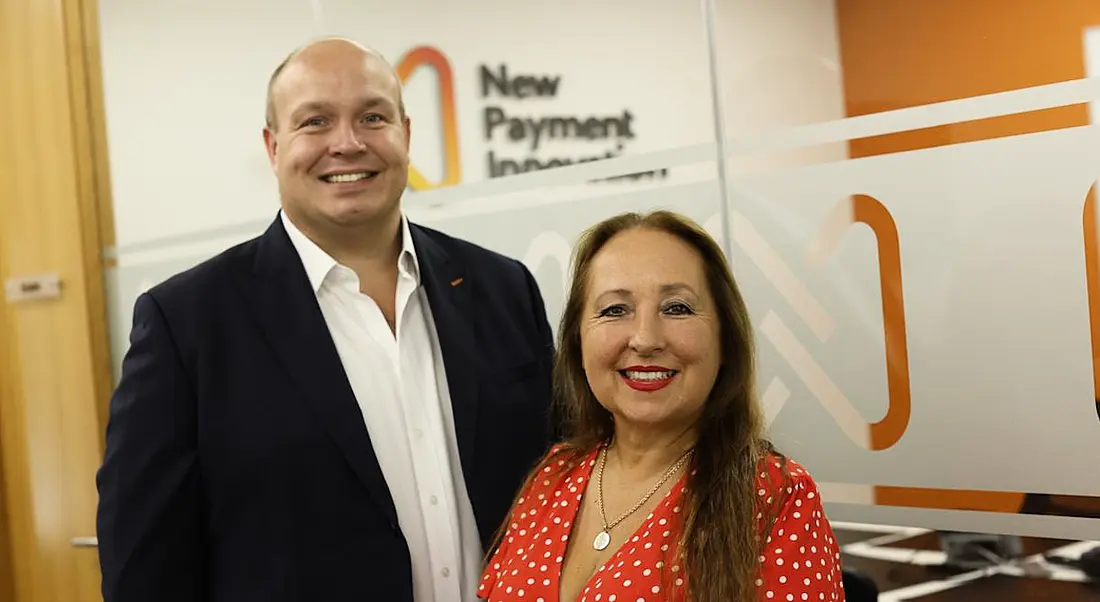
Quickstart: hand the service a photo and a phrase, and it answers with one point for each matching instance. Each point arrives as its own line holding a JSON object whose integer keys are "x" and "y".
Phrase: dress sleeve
{"x": 490, "y": 578}
{"x": 494, "y": 569}
{"x": 801, "y": 558}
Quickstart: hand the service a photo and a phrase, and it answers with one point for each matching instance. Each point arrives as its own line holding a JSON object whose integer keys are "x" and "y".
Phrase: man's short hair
{"x": 269, "y": 112}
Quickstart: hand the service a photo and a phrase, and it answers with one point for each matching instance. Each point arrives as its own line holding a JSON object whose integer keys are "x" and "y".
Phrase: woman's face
{"x": 649, "y": 330}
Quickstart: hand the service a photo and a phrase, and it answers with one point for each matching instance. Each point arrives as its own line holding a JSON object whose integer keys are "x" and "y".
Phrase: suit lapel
{"x": 286, "y": 308}
{"x": 450, "y": 297}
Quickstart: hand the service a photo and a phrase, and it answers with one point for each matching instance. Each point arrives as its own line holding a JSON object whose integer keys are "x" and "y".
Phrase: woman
{"x": 666, "y": 488}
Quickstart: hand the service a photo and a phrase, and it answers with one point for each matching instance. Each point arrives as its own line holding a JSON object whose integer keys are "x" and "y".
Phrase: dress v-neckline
{"x": 634, "y": 536}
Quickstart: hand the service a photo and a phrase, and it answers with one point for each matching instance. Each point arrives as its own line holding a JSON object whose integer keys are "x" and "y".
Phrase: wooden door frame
{"x": 94, "y": 184}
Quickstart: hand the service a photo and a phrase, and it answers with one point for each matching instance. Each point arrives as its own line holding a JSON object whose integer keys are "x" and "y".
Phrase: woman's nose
{"x": 648, "y": 336}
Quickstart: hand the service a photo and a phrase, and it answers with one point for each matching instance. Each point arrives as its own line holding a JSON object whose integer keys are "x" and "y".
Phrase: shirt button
{"x": 434, "y": 500}
{"x": 419, "y": 434}
{"x": 446, "y": 572}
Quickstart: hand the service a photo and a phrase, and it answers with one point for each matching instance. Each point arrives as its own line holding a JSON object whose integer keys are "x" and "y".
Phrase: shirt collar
{"x": 319, "y": 264}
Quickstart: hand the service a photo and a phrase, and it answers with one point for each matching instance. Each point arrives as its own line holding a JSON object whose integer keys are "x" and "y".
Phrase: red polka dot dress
{"x": 800, "y": 562}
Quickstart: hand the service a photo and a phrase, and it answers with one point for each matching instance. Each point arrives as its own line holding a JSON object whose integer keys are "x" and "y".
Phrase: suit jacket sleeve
{"x": 149, "y": 519}
{"x": 556, "y": 426}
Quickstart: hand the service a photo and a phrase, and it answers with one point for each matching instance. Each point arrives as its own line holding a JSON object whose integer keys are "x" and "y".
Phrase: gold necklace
{"x": 603, "y": 538}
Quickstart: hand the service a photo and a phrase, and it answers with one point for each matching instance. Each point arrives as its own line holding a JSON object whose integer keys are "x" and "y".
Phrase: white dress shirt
{"x": 399, "y": 381}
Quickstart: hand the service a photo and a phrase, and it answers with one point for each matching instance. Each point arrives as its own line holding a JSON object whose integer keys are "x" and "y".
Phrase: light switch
{"x": 32, "y": 288}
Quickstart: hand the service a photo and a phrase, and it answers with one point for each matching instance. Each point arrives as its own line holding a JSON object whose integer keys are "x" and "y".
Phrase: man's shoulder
{"x": 208, "y": 276}
{"x": 473, "y": 255}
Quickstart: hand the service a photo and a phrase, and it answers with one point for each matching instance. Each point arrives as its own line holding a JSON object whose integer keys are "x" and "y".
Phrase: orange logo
{"x": 886, "y": 432}
{"x": 432, "y": 57}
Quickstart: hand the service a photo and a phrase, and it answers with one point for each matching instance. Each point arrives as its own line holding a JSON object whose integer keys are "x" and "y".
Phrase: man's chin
{"x": 359, "y": 211}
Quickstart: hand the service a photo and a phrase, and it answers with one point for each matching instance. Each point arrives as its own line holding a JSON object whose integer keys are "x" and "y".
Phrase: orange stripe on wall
{"x": 908, "y": 53}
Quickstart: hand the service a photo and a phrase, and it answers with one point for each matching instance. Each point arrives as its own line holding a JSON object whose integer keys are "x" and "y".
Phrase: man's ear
{"x": 408, "y": 131}
{"x": 271, "y": 145}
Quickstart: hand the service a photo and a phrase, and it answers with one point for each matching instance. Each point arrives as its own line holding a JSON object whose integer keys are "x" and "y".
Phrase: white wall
{"x": 185, "y": 84}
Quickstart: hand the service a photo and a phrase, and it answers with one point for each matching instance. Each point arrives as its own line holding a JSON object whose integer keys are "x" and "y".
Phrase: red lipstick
{"x": 647, "y": 378}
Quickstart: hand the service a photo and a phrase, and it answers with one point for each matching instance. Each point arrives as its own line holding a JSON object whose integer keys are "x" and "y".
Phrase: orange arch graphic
{"x": 888, "y": 431}
{"x": 1092, "y": 283}
{"x": 432, "y": 57}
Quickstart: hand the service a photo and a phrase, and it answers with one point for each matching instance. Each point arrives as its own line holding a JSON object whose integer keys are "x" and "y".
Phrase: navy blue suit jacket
{"x": 238, "y": 467}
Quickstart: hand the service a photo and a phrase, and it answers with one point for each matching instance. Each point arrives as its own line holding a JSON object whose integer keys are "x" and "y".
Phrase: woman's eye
{"x": 612, "y": 311}
{"x": 678, "y": 309}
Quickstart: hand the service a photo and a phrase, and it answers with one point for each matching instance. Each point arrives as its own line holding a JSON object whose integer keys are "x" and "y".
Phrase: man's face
{"x": 339, "y": 144}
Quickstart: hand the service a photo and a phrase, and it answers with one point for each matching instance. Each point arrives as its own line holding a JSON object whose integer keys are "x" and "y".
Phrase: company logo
{"x": 427, "y": 56}
{"x": 864, "y": 209}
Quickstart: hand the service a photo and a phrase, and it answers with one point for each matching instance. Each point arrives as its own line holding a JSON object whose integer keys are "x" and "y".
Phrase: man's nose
{"x": 347, "y": 141}
{"x": 648, "y": 335}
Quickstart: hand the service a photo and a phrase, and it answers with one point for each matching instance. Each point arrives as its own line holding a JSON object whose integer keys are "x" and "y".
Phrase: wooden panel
{"x": 56, "y": 356}
{"x": 7, "y": 577}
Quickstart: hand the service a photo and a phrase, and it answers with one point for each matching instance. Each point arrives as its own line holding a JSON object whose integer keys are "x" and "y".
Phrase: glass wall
{"x": 904, "y": 188}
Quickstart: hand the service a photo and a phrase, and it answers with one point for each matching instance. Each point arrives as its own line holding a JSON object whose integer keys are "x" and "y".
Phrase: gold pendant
{"x": 601, "y": 541}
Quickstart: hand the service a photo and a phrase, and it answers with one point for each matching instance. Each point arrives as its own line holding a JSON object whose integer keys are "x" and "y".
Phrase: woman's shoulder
{"x": 781, "y": 477}
{"x": 564, "y": 462}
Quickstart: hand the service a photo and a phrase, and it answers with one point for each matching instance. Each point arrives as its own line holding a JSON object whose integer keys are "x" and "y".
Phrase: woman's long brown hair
{"x": 722, "y": 536}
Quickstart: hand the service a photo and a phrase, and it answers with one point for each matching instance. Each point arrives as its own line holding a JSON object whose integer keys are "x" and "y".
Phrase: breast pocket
{"x": 520, "y": 392}
{"x": 516, "y": 373}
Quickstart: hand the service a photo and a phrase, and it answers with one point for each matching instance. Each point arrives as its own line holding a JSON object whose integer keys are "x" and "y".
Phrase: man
{"x": 340, "y": 409}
